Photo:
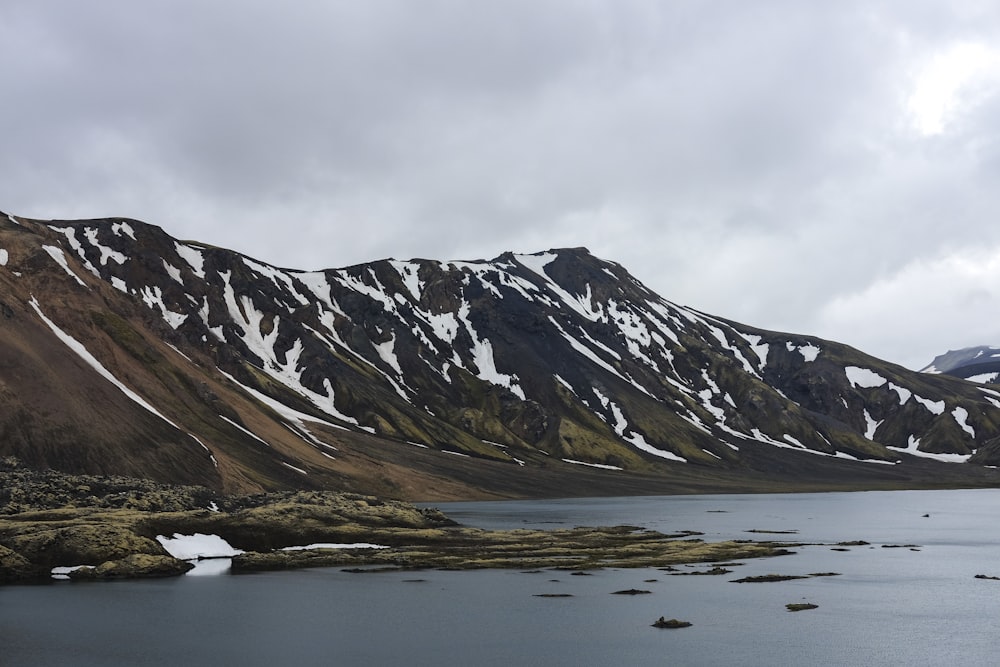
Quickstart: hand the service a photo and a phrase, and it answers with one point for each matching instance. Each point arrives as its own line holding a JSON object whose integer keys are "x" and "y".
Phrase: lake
{"x": 915, "y": 603}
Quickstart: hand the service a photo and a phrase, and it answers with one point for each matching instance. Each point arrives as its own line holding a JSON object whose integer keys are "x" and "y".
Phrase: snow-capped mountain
{"x": 976, "y": 364}
{"x": 129, "y": 351}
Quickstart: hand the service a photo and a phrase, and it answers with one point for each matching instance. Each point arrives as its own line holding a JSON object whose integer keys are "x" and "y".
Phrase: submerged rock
{"x": 671, "y": 624}
{"x": 763, "y": 578}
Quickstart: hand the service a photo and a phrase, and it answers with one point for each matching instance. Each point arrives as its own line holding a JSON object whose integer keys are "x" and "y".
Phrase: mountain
{"x": 126, "y": 351}
{"x": 976, "y": 364}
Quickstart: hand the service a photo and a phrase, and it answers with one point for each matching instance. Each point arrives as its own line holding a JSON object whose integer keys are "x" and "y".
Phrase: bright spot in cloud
{"x": 954, "y": 80}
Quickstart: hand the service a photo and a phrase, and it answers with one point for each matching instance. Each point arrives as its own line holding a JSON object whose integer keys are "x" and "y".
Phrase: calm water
{"x": 889, "y": 606}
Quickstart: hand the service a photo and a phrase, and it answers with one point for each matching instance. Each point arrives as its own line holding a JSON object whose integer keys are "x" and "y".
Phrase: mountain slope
{"x": 220, "y": 369}
{"x": 976, "y": 364}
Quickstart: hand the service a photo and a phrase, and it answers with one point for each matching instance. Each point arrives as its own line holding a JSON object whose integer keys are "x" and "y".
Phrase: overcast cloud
{"x": 820, "y": 168}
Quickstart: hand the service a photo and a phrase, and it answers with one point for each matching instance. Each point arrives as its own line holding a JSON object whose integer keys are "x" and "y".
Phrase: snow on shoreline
{"x": 190, "y": 547}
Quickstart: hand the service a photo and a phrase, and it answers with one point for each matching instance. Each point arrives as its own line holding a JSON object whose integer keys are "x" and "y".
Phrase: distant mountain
{"x": 124, "y": 350}
{"x": 977, "y": 364}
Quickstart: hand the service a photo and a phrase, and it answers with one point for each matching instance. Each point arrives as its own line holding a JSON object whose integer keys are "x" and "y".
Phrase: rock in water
{"x": 134, "y": 566}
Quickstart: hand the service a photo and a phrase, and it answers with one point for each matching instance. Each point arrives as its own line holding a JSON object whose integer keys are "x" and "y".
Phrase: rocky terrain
{"x": 125, "y": 351}
{"x": 111, "y": 525}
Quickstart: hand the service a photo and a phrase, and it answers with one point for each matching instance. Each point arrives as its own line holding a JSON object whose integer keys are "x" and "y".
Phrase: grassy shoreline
{"x": 49, "y": 519}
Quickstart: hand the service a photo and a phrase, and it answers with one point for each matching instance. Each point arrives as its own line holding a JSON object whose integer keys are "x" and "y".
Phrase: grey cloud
{"x": 749, "y": 159}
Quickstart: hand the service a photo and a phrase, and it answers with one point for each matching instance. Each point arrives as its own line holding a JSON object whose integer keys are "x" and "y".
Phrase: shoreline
{"x": 115, "y": 528}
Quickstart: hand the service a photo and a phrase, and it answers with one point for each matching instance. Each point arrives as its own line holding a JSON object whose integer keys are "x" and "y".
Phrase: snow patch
{"x": 119, "y": 227}
{"x": 408, "y": 274}
{"x": 809, "y": 352}
{"x": 759, "y": 348}
{"x": 193, "y": 257}
{"x": 961, "y": 416}
{"x": 626, "y": 433}
{"x": 863, "y": 377}
{"x": 63, "y": 571}
{"x": 278, "y": 277}
{"x": 871, "y": 426}
{"x": 904, "y": 393}
{"x": 794, "y": 441}
{"x": 934, "y": 407}
{"x": 106, "y": 252}
{"x": 60, "y": 258}
{"x": 199, "y": 545}
{"x": 292, "y": 415}
{"x": 173, "y": 272}
{"x": 984, "y": 378}
{"x": 914, "y": 443}
{"x": 602, "y": 466}
{"x": 387, "y": 352}
{"x": 92, "y": 361}
{"x": 247, "y": 431}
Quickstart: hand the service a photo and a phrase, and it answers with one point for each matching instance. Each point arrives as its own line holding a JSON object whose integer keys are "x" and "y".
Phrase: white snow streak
{"x": 173, "y": 272}
{"x": 193, "y": 257}
{"x": 60, "y": 258}
{"x": 961, "y": 416}
{"x": 119, "y": 227}
{"x": 106, "y": 252}
{"x": 408, "y": 274}
{"x": 871, "y": 427}
{"x": 602, "y": 466}
{"x": 904, "y": 393}
{"x": 248, "y": 432}
{"x": 91, "y": 361}
{"x": 914, "y": 443}
{"x": 759, "y": 348}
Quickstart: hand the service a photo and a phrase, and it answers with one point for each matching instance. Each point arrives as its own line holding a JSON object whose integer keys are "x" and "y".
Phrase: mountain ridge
{"x": 269, "y": 378}
{"x": 980, "y": 363}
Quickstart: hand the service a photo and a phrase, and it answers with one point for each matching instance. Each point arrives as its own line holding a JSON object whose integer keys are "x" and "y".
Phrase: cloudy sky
{"x": 823, "y": 168}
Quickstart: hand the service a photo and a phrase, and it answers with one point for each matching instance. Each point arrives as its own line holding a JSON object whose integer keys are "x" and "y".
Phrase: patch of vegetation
{"x": 51, "y": 519}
